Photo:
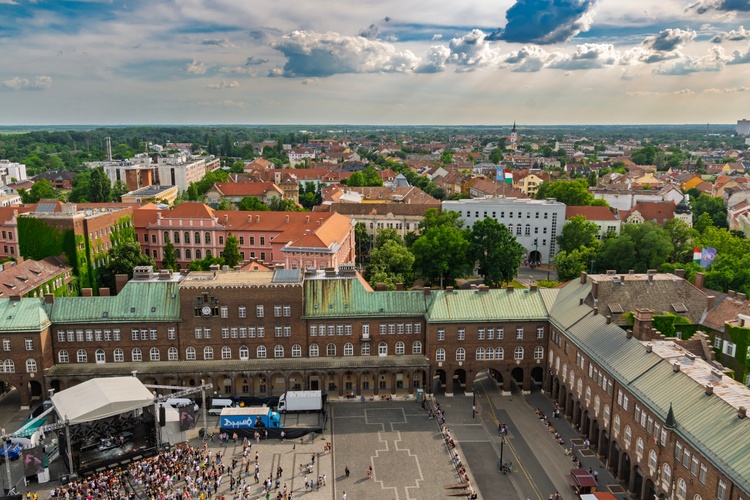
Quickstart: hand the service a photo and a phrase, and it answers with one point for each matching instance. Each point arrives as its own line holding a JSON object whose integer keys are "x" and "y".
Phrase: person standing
{"x": 346, "y": 471}
{"x": 343, "y": 496}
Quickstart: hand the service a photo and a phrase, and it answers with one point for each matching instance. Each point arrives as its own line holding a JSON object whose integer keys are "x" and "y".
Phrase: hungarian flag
{"x": 697, "y": 255}
{"x": 508, "y": 177}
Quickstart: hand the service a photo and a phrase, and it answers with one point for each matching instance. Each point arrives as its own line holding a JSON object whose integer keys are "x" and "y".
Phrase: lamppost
{"x": 6, "y": 441}
{"x": 502, "y": 444}
{"x": 536, "y": 249}
{"x": 474, "y": 403}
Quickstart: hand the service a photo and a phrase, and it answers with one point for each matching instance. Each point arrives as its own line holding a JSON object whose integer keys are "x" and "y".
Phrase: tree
{"x": 284, "y": 205}
{"x": 121, "y": 260}
{"x": 714, "y": 207}
{"x": 576, "y": 233}
{"x": 99, "y": 186}
{"x": 681, "y": 235}
{"x": 447, "y": 156}
{"x": 122, "y": 152}
{"x": 231, "y": 252}
{"x": 81, "y": 188}
{"x": 390, "y": 261}
{"x": 570, "y": 265}
{"x": 440, "y": 254}
{"x": 496, "y": 156}
{"x": 237, "y": 167}
{"x": 192, "y": 192}
{"x": 226, "y": 145}
{"x": 435, "y": 218}
{"x": 496, "y": 251}
{"x": 204, "y": 264}
{"x": 41, "y": 190}
{"x": 251, "y": 204}
{"x": 170, "y": 256}
{"x": 361, "y": 241}
{"x": 639, "y": 247}
{"x": 574, "y": 193}
{"x": 118, "y": 189}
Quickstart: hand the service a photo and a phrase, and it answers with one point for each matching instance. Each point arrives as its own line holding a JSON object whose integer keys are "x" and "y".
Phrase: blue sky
{"x": 385, "y": 62}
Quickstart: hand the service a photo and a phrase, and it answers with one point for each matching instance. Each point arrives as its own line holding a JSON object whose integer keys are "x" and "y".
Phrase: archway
{"x": 260, "y": 384}
{"x": 35, "y": 390}
{"x": 418, "y": 379}
{"x": 242, "y": 384}
{"x": 189, "y": 381}
{"x": 516, "y": 377}
{"x": 585, "y": 422}
{"x": 350, "y": 382}
{"x": 367, "y": 383}
{"x": 605, "y": 445}
{"x": 637, "y": 482}
{"x": 555, "y": 389}
{"x": 578, "y": 410}
{"x": 562, "y": 400}
{"x": 278, "y": 384}
{"x": 315, "y": 381}
{"x": 537, "y": 377}
{"x": 614, "y": 458}
{"x": 625, "y": 471}
{"x": 56, "y": 385}
{"x": 594, "y": 435}
{"x": 223, "y": 385}
{"x": 296, "y": 381}
{"x": 459, "y": 380}
{"x": 569, "y": 406}
{"x": 535, "y": 257}
{"x": 650, "y": 490}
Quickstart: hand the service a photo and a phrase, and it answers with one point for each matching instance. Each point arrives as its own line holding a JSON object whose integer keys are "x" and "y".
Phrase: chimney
{"x": 710, "y": 301}
{"x": 257, "y": 218}
{"x": 307, "y": 219}
{"x": 19, "y": 259}
{"x": 399, "y": 287}
{"x": 741, "y": 412}
{"x": 104, "y": 292}
{"x": 483, "y": 288}
{"x": 741, "y": 297}
{"x": 642, "y": 323}
{"x": 15, "y": 298}
{"x": 320, "y": 221}
{"x": 510, "y": 289}
{"x": 717, "y": 373}
{"x": 214, "y": 267}
{"x": 629, "y": 333}
{"x": 680, "y": 273}
{"x": 700, "y": 278}
{"x": 427, "y": 291}
{"x": 651, "y": 272}
{"x": 226, "y": 217}
{"x": 249, "y": 219}
{"x": 732, "y": 293}
{"x": 631, "y": 271}
{"x": 583, "y": 277}
{"x": 709, "y": 389}
{"x": 651, "y": 279}
{"x": 380, "y": 287}
{"x": 609, "y": 319}
{"x": 595, "y": 289}
{"x": 533, "y": 288}
{"x": 120, "y": 281}
{"x": 49, "y": 298}
{"x": 649, "y": 347}
{"x": 237, "y": 268}
{"x": 87, "y": 292}
{"x": 676, "y": 366}
{"x": 448, "y": 289}
{"x": 596, "y": 310}
{"x": 611, "y": 272}
{"x": 287, "y": 218}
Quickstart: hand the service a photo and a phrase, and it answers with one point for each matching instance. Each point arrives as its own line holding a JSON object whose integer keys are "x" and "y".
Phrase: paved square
{"x": 404, "y": 448}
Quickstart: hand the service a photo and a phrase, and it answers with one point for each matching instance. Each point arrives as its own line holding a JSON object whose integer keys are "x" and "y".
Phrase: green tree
{"x": 192, "y": 192}
{"x": 251, "y": 204}
{"x": 496, "y": 156}
{"x": 576, "y": 233}
{"x": 118, "y": 189}
{"x": 361, "y": 241}
{"x": 639, "y": 247}
{"x": 223, "y": 205}
{"x": 435, "y": 218}
{"x": 122, "y": 152}
{"x": 390, "y": 261}
{"x": 440, "y": 254}
{"x": 570, "y": 265}
{"x": 573, "y": 193}
{"x": 497, "y": 253}
{"x": 99, "y": 186}
{"x": 81, "y": 188}
{"x": 284, "y": 205}
{"x": 226, "y": 145}
{"x": 170, "y": 256}
{"x": 714, "y": 207}
{"x": 204, "y": 264}
{"x": 41, "y": 190}
{"x": 231, "y": 253}
{"x": 237, "y": 167}
{"x": 121, "y": 260}
{"x": 681, "y": 235}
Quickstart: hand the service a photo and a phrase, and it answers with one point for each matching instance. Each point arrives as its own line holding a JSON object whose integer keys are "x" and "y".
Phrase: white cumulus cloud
{"x": 41, "y": 82}
{"x": 196, "y": 68}
{"x": 224, "y": 84}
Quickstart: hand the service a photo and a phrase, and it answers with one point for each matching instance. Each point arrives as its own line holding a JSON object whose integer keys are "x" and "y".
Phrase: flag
{"x": 508, "y": 177}
{"x": 697, "y": 255}
{"x": 707, "y": 256}
{"x": 499, "y": 175}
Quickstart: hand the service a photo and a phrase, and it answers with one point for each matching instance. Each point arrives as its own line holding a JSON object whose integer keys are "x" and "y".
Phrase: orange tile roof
{"x": 591, "y": 213}
{"x": 245, "y": 188}
{"x": 190, "y": 210}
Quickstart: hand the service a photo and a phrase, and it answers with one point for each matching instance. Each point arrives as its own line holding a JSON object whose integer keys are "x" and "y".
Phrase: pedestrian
{"x": 344, "y": 496}
{"x": 283, "y": 435}
{"x": 346, "y": 471}
{"x": 312, "y": 458}
{"x": 596, "y": 476}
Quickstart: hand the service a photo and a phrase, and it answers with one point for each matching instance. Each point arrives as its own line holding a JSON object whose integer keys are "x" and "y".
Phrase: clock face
{"x": 206, "y": 311}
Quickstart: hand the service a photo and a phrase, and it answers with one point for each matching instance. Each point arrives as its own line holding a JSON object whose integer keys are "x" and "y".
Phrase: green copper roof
{"x": 347, "y": 297}
{"x": 138, "y": 301}
{"x": 25, "y": 315}
{"x": 491, "y": 305}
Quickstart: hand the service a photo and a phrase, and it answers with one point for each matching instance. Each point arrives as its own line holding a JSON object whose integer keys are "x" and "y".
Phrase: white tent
{"x": 171, "y": 432}
{"x": 101, "y": 398}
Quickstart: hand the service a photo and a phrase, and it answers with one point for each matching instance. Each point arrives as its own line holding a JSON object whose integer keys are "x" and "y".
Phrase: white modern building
{"x": 535, "y": 223}
{"x": 12, "y": 172}
{"x": 743, "y": 128}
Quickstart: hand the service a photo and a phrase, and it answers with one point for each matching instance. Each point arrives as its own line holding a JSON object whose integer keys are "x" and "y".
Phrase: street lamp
{"x": 502, "y": 444}
{"x": 474, "y": 403}
{"x": 6, "y": 441}
{"x": 536, "y": 248}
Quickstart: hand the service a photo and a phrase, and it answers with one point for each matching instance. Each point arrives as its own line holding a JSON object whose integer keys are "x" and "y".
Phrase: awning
{"x": 101, "y": 398}
{"x": 29, "y": 427}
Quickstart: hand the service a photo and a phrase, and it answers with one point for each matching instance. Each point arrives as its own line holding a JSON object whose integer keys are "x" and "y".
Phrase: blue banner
{"x": 707, "y": 256}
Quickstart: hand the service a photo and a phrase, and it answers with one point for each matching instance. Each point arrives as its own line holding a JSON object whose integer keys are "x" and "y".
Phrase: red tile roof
{"x": 591, "y": 213}
{"x": 246, "y": 188}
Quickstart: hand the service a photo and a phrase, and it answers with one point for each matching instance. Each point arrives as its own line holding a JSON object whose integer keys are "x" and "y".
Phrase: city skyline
{"x": 227, "y": 61}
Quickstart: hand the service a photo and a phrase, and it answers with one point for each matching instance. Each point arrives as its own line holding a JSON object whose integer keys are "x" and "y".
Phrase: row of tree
{"x": 443, "y": 252}
{"x": 91, "y": 186}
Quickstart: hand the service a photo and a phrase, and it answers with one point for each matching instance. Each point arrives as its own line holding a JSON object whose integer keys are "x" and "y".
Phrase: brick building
{"x": 666, "y": 420}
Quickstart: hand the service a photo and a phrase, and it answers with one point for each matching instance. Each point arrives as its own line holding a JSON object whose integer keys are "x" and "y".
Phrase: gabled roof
{"x": 726, "y": 310}
{"x": 245, "y": 188}
{"x": 347, "y": 297}
{"x": 461, "y": 306}
{"x": 25, "y": 276}
{"x": 137, "y": 301}
{"x": 590, "y": 213}
{"x": 189, "y": 210}
{"x": 654, "y": 211}
{"x": 25, "y": 315}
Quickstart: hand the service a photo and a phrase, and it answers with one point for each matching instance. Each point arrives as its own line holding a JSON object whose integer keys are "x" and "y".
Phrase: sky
{"x": 389, "y": 62}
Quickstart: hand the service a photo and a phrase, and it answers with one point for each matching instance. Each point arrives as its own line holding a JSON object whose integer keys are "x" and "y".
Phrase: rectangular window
{"x": 441, "y": 334}
{"x": 153, "y": 333}
{"x": 261, "y": 331}
{"x": 408, "y": 328}
{"x": 225, "y": 332}
{"x": 717, "y": 342}
{"x": 242, "y": 312}
{"x": 233, "y": 332}
{"x": 637, "y": 413}
{"x": 625, "y": 402}
{"x": 89, "y": 335}
{"x": 339, "y": 329}
{"x": 98, "y": 335}
{"x": 287, "y": 311}
{"x": 461, "y": 334}
{"x": 287, "y": 331}
{"x": 134, "y": 334}
{"x": 490, "y": 334}
{"x": 224, "y": 310}
{"x": 144, "y": 334}
{"x": 171, "y": 333}
{"x": 678, "y": 451}
{"x": 519, "y": 333}
{"x": 259, "y": 311}
{"x": 116, "y": 334}
{"x": 277, "y": 332}
{"x": 199, "y": 333}
{"x": 313, "y": 331}
{"x": 480, "y": 333}
{"x": 722, "y": 491}
{"x": 348, "y": 329}
{"x": 500, "y": 333}
{"x": 703, "y": 473}
{"x": 276, "y": 311}
{"x": 251, "y": 332}
{"x": 6, "y": 344}
{"x": 391, "y": 328}
{"x": 29, "y": 344}
{"x": 400, "y": 329}
{"x": 418, "y": 328}
{"x": 331, "y": 329}
{"x": 60, "y": 335}
{"x": 729, "y": 348}
{"x": 206, "y": 333}
{"x": 540, "y": 332}
{"x": 381, "y": 328}
{"x": 365, "y": 330}
{"x": 243, "y": 332}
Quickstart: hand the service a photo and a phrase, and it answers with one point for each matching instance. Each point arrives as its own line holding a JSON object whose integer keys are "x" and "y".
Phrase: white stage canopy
{"x": 101, "y": 398}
